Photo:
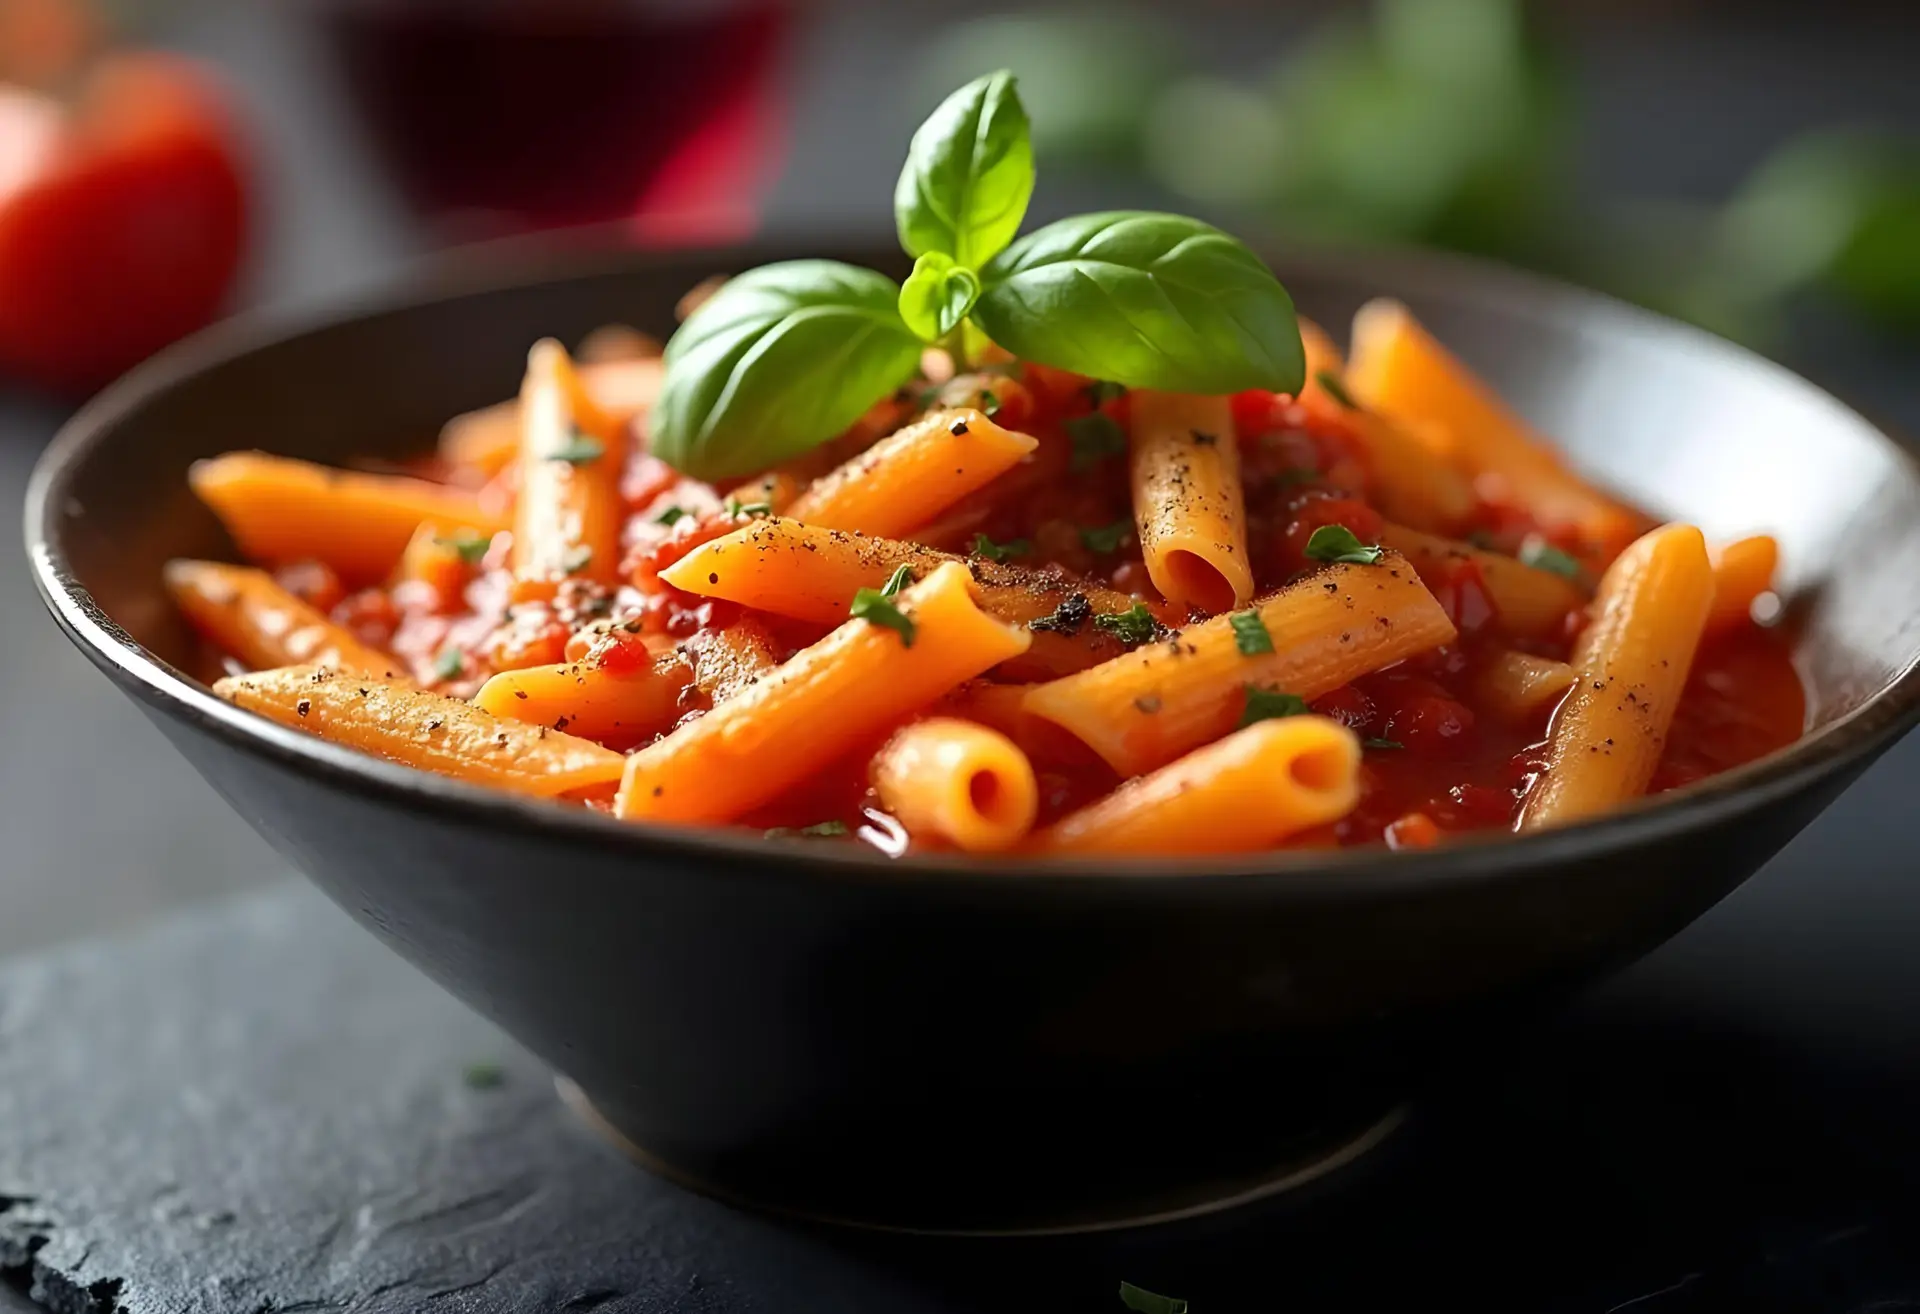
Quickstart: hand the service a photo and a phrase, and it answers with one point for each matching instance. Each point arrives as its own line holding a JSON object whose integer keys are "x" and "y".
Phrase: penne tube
{"x": 819, "y": 706}
{"x": 1399, "y": 370}
{"x": 1742, "y": 571}
{"x": 280, "y": 511}
{"x": 905, "y": 480}
{"x": 1188, "y": 509}
{"x": 1519, "y": 687}
{"x": 488, "y": 440}
{"x": 1632, "y": 662}
{"x": 1532, "y": 603}
{"x": 568, "y": 518}
{"x": 586, "y": 699}
{"x": 808, "y": 573}
{"x": 1144, "y": 709}
{"x": 1251, "y": 790}
{"x": 958, "y": 782}
{"x": 392, "y": 719}
{"x": 247, "y": 614}
{"x": 730, "y": 658}
{"x": 1002, "y": 708}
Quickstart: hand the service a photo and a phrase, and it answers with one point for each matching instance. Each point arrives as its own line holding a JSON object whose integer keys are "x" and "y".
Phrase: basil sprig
{"x": 787, "y": 356}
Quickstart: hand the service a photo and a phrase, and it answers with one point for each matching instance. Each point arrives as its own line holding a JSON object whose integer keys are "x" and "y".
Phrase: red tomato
{"x": 122, "y": 219}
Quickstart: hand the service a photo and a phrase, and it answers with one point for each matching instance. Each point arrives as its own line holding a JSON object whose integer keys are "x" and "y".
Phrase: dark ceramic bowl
{"x": 967, "y": 1044}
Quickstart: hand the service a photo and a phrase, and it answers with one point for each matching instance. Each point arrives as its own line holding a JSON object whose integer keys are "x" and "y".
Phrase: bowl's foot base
{"x": 1173, "y": 1205}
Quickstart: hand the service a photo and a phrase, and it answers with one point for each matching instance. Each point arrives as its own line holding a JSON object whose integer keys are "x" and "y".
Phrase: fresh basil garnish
{"x": 1337, "y": 543}
{"x": 1271, "y": 705}
{"x": 776, "y": 362}
{"x": 969, "y": 174}
{"x": 937, "y": 295}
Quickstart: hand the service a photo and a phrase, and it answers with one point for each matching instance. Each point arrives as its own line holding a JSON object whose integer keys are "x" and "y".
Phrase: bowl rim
{"x": 524, "y": 263}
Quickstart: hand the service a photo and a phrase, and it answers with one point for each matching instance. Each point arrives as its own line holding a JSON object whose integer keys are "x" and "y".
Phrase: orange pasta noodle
{"x": 567, "y": 521}
{"x": 957, "y": 782}
{"x": 729, "y": 658}
{"x": 487, "y": 440}
{"x": 615, "y": 706}
{"x": 1187, "y": 504}
{"x": 1632, "y": 661}
{"x": 280, "y": 511}
{"x": 905, "y": 480}
{"x": 1399, "y": 370}
{"x": 1518, "y": 686}
{"x": 1248, "y": 791}
{"x": 1002, "y": 707}
{"x": 809, "y": 573}
{"x": 1532, "y": 603}
{"x": 1742, "y": 571}
{"x": 394, "y": 720}
{"x": 818, "y": 706}
{"x": 244, "y": 612}
{"x": 1143, "y": 710}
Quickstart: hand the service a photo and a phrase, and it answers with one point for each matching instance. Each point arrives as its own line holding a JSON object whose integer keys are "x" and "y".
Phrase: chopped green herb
{"x": 1142, "y": 1301}
{"x": 1542, "y": 555}
{"x": 819, "y": 829}
{"x": 1106, "y": 539}
{"x": 1095, "y": 438}
{"x": 1133, "y": 627}
{"x": 579, "y": 450}
{"x": 1382, "y": 743}
{"x": 1335, "y": 389}
{"x": 485, "y": 1075}
{"x": 1100, "y": 392}
{"x": 673, "y": 515}
{"x": 900, "y": 578}
{"x": 736, "y": 508}
{"x": 1250, "y": 633}
{"x": 992, "y": 551}
{"x": 1337, "y": 543}
{"x": 577, "y": 560}
{"x": 449, "y": 664}
{"x": 470, "y": 545}
{"x": 876, "y": 608}
{"x": 1271, "y": 705}
{"x": 987, "y": 404}
{"x": 1299, "y": 474}
{"x": 1069, "y": 617}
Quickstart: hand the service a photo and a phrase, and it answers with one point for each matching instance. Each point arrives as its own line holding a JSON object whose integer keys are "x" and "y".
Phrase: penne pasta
{"x": 730, "y": 658}
{"x": 818, "y": 706}
{"x": 244, "y": 612}
{"x": 1531, "y": 602}
{"x": 1400, "y": 371}
{"x": 957, "y": 782}
{"x": 1519, "y": 687}
{"x": 1632, "y": 664}
{"x": 905, "y": 480}
{"x": 280, "y": 511}
{"x": 586, "y": 699}
{"x": 1742, "y": 571}
{"x": 1188, "y": 508}
{"x": 488, "y": 440}
{"x": 1248, "y": 791}
{"x": 568, "y": 518}
{"x": 1143, "y": 710}
{"x": 392, "y": 719}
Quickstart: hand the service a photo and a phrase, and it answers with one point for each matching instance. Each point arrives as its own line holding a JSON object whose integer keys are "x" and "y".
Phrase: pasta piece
{"x": 1249, "y": 791}
{"x": 962, "y": 783}
{"x": 247, "y": 614}
{"x": 819, "y": 706}
{"x": 444, "y": 560}
{"x": 1187, "y": 504}
{"x": 1143, "y": 710}
{"x": 728, "y": 659}
{"x": 488, "y": 440}
{"x": 568, "y": 519}
{"x": 1002, "y": 708}
{"x": 280, "y": 511}
{"x": 1532, "y": 603}
{"x": 904, "y": 481}
{"x": 1632, "y": 661}
{"x": 588, "y": 699}
{"x": 1399, "y": 370}
{"x": 1742, "y": 571}
{"x": 1519, "y": 687}
{"x": 392, "y": 719}
{"x": 811, "y": 574}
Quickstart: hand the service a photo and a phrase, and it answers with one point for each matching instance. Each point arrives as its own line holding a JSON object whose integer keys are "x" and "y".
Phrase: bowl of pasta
{"x": 1029, "y": 733}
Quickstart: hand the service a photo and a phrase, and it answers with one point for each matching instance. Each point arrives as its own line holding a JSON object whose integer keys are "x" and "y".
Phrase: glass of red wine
{"x": 504, "y": 116}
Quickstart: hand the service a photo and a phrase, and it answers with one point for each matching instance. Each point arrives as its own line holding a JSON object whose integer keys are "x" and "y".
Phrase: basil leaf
{"x": 469, "y": 544}
{"x": 1133, "y": 627}
{"x": 1106, "y": 539}
{"x": 992, "y": 551}
{"x": 578, "y": 450}
{"x": 449, "y": 664}
{"x": 937, "y": 295}
{"x": 897, "y": 581}
{"x": 775, "y": 363}
{"x": 1337, "y": 543}
{"x": 1331, "y": 384}
{"x": 1145, "y": 300}
{"x": 1250, "y": 633}
{"x": 876, "y": 608}
{"x": 969, "y": 174}
{"x": 1271, "y": 705}
{"x": 1542, "y": 555}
